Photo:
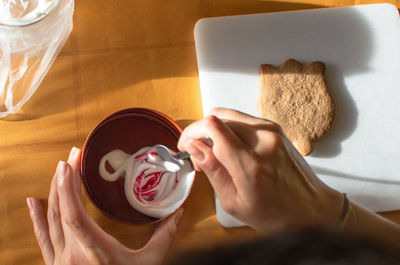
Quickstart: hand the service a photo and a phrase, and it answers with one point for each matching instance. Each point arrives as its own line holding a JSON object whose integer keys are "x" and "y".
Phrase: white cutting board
{"x": 360, "y": 46}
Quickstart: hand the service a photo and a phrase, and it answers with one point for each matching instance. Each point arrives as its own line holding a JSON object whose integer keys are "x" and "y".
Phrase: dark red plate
{"x": 128, "y": 130}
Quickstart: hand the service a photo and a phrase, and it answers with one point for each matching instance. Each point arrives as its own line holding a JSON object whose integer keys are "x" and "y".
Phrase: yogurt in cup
{"x": 124, "y": 179}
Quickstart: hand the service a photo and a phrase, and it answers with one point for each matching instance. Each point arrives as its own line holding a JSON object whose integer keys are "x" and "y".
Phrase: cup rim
{"x": 115, "y": 116}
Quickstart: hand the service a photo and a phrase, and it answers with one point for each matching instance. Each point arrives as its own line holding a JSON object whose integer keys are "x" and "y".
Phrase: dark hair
{"x": 309, "y": 247}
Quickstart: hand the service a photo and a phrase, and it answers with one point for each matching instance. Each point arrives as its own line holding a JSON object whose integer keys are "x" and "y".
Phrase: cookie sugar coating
{"x": 297, "y": 98}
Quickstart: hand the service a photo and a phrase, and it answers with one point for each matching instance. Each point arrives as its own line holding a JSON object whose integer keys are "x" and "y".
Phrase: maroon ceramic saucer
{"x": 127, "y": 130}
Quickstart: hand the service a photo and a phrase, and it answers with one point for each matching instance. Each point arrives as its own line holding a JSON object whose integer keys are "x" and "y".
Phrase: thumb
{"x": 156, "y": 249}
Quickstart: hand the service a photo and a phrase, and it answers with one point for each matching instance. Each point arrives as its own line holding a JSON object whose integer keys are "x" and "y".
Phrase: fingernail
{"x": 29, "y": 203}
{"x": 207, "y": 141}
{"x": 61, "y": 172}
{"x": 74, "y": 153}
{"x": 178, "y": 216}
{"x": 195, "y": 151}
{"x": 61, "y": 167}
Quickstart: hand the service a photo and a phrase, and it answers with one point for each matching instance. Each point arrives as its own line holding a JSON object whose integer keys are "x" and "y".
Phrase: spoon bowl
{"x": 172, "y": 161}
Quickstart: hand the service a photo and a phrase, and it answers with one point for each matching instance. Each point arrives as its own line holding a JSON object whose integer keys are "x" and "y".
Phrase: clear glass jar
{"x": 32, "y": 33}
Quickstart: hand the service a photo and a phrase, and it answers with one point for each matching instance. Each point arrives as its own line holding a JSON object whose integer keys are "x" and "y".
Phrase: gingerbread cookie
{"x": 297, "y": 98}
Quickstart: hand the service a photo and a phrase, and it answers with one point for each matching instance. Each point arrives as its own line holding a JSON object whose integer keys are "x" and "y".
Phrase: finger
{"x": 228, "y": 149}
{"x": 241, "y": 122}
{"x": 53, "y": 215}
{"x": 203, "y": 157}
{"x": 246, "y": 119}
{"x": 41, "y": 229}
{"x": 234, "y": 115}
{"x": 209, "y": 127}
{"x": 239, "y": 119}
{"x": 260, "y": 134}
{"x": 74, "y": 160}
{"x": 155, "y": 250}
{"x": 76, "y": 223}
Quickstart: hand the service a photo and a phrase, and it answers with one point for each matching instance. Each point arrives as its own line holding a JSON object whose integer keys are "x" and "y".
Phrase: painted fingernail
{"x": 195, "y": 151}
{"x": 178, "y": 216}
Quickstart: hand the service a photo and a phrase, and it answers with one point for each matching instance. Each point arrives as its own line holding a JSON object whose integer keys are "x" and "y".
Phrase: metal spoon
{"x": 173, "y": 162}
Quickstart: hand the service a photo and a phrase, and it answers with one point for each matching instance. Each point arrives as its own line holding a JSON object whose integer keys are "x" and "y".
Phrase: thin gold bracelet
{"x": 347, "y": 210}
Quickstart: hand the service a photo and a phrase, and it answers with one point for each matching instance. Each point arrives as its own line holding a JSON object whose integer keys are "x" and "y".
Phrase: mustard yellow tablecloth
{"x": 126, "y": 53}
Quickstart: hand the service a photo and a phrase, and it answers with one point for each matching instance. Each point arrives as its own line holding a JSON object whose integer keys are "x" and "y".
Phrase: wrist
{"x": 330, "y": 208}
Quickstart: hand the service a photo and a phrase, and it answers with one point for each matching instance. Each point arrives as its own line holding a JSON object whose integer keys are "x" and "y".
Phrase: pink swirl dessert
{"x": 148, "y": 186}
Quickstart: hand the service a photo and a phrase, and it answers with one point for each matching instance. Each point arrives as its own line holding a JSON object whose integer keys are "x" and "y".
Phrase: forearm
{"x": 365, "y": 222}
